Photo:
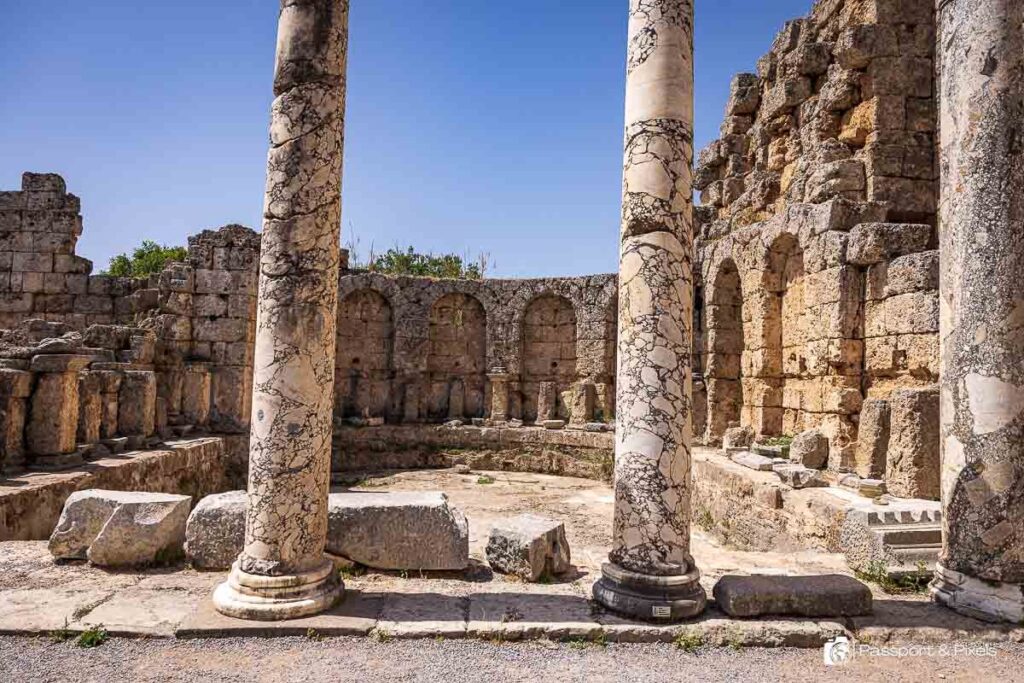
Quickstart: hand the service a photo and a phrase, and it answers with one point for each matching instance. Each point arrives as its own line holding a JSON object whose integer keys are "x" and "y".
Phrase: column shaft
{"x": 981, "y": 48}
{"x": 282, "y": 571}
{"x": 650, "y": 573}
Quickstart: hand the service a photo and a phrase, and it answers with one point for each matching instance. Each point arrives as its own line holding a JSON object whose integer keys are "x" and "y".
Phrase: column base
{"x": 985, "y": 600}
{"x": 650, "y": 598}
{"x": 276, "y": 598}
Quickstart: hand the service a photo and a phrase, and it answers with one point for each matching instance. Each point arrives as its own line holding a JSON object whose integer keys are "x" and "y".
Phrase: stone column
{"x": 499, "y": 394}
{"x": 981, "y": 213}
{"x": 650, "y": 573}
{"x": 283, "y": 572}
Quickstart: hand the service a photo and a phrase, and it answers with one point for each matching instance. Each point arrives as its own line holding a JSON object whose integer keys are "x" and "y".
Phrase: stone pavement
{"x": 38, "y": 596}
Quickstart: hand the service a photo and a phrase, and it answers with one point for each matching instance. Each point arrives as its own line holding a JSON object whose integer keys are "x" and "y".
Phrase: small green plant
{"x": 63, "y": 634}
{"x": 601, "y": 639}
{"x": 705, "y": 520}
{"x": 778, "y": 441}
{"x": 688, "y": 641}
{"x": 485, "y": 480}
{"x": 579, "y": 644}
{"x": 352, "y": 572}
{"x": 93, "y": 637}
{"x": 404, "y": 574}
{"x": 877, "y": 572}
{"x": 381, "y": 635}
{"x": 511, "y": 614}
{"x": 314, "y": 635}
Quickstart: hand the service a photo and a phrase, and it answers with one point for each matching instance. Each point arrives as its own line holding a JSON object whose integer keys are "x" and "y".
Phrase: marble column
{"x": 283, "y": 572}
{"x": 981, "y": 217}
{"x": 650, "y": 573}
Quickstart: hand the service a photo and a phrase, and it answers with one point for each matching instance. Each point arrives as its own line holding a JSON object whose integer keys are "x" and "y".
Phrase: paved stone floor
{"x": 38, "y": 596}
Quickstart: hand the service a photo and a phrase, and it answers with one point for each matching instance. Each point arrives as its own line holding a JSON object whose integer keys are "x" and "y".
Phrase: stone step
{"x": 910, "y": 535}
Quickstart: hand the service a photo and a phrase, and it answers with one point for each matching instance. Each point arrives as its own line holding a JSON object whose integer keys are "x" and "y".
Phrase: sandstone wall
{"x": 816, "y": 239}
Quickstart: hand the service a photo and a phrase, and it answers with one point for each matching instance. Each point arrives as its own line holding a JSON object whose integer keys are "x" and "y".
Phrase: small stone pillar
{"x": 411, "y": 401}
{"x": 457, "y": 400}
{"x": 15, "y": 388}
{"x": 499, "y": 395}
{"x": 650, "y": 574}
{"x": 136, "y": 406}
{"x": 110, "y": 389}
{"x": 283, "y": 572}
{"x": 195, "y": 395}
{"x": 51, "y": 435}
{"x": 581, "y": 405}
{"x": 547, "y": 402}
{"x": 981, "y": 208}
{"x": 90, "y": 408}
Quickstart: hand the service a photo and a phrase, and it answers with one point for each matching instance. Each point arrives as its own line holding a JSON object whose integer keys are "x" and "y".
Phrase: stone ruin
{"x": 804, "y": 302}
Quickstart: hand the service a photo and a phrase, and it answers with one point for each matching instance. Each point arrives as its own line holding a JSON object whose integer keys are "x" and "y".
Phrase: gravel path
{"x": 349, "y": 659}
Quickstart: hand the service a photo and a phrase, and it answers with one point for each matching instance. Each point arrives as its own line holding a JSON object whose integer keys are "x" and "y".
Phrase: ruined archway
{"x": 456, "y": 357}
{"x": 725, "y": 345}
{"x": 365, "y": 342}
{"x": 784, "y": 335}
{"x": 549, "y": 356}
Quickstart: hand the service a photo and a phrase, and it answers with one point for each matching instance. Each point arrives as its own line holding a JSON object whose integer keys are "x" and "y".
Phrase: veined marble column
{"x": 650, "y": 573}
{"x": 282, "y": 572}
{"x": 981, "y": 212}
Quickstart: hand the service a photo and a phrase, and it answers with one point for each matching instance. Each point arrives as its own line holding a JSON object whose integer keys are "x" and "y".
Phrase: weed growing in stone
{"x": 877, "y": 572}
{"x": 381, "y": 635}
{"x": 314, "y": 635}
{"x": 63, "y": 634}
{"x": 93, "y": 637}
{"x": 485, "y": 480}
{"x": 688, "y": 641}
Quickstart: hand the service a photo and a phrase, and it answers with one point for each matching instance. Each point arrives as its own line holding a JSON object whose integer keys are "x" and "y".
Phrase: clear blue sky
{"x": 473, "y": 125}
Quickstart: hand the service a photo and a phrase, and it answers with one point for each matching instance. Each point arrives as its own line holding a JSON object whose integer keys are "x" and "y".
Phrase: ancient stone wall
{"x": 418, "y": 349}
{"x": 817, "y": 246}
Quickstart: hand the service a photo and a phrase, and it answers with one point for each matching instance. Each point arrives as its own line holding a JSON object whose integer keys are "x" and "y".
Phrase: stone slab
{"x": 355, "y": 615}
{"x": 143, "y": 611}
{"x": 519, "y": 616}
{"x": 752, "y": 461}
{"x": 41, "y": 610}
{"x": 423, "y": 615}
{"x": 829, "y": 595}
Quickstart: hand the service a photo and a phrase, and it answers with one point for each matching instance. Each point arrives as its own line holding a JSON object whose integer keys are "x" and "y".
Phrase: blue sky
{"x": 473, "y": 125}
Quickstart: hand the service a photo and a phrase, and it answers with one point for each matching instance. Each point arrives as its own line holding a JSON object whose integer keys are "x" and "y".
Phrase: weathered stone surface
{"x": 529, "y": 547}
{"x": 398, "y": 530}
{"x": 912, "y": 464}
{"x": 215, "y": 531}
{"x": 53, "y": 414}
{"x": 119, "y": 528}
{"x": 876, "y": 242}
{"x": 831, "y": 595}
{"x": 798, "y": 476}
{"x": 810, "y": 449}
{"x": 738, "y": 437}
{"x": 753, "y": 461}
{"x": 136, "y": 414}
{"x": 873, "y": 438}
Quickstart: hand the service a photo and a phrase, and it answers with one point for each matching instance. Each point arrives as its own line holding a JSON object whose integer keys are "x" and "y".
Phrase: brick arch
{"x": 365, "y": 349}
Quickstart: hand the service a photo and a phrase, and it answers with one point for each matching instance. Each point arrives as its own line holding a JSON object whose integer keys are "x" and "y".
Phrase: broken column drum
{"x": 650, "y": 573}
{"x": 283, "y": 572}
{"x": 981, "y": 567}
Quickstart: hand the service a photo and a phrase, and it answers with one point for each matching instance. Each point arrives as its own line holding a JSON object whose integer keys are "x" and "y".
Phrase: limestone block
{"x": 737, "y": 437}
{"x": 136, "y": 414}
{"x": 744, "y": 95}
{"x": 581, "y": 402}
{"x": 810, "y": 449}
{"x": 785, "y": 96}
{"x": 829, "y": 595}
{"x": 872, "y": 243}
{"x": 529, "y": 547}
{"x": 90, "y": 408}
{"x": 752, "y": 461}
{"x": 215, "y": 531}
{"x": 873, "y": 438}
{"x": 913, "y": 313}
{"x": 195, "y": 395}
{"x": 857, "y": 45}
{"x": 121, "y": 528}
{"x": 912, "y": 466}
{"x": 836, "y": 179}
{"x": 798, "y": 476}
{"x": 15, "y": 386}
{"x": 398, "y": 530}
{"x": 913, "y": 273}
{"x": 53, "y": 416}
{"x": 547, "y": 397}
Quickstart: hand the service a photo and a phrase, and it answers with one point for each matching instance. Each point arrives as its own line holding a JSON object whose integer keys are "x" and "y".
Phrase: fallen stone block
{"x": 752, "y": 461}
{"x": 737, "y": 437}
{"x": 529, "y": 547}
{"x": 398, "y": 530}
{"x": 810, "y": 449}
{"x": 827, "y": 595}
{"x": 215, "y": 532}
{"x": 799, "y": 477}
{"x": 121, "y": 528}
{"x": 553, "y": 424}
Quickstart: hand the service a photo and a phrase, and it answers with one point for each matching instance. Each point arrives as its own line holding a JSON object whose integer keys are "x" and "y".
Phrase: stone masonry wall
{"x": 817, "y": 246}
